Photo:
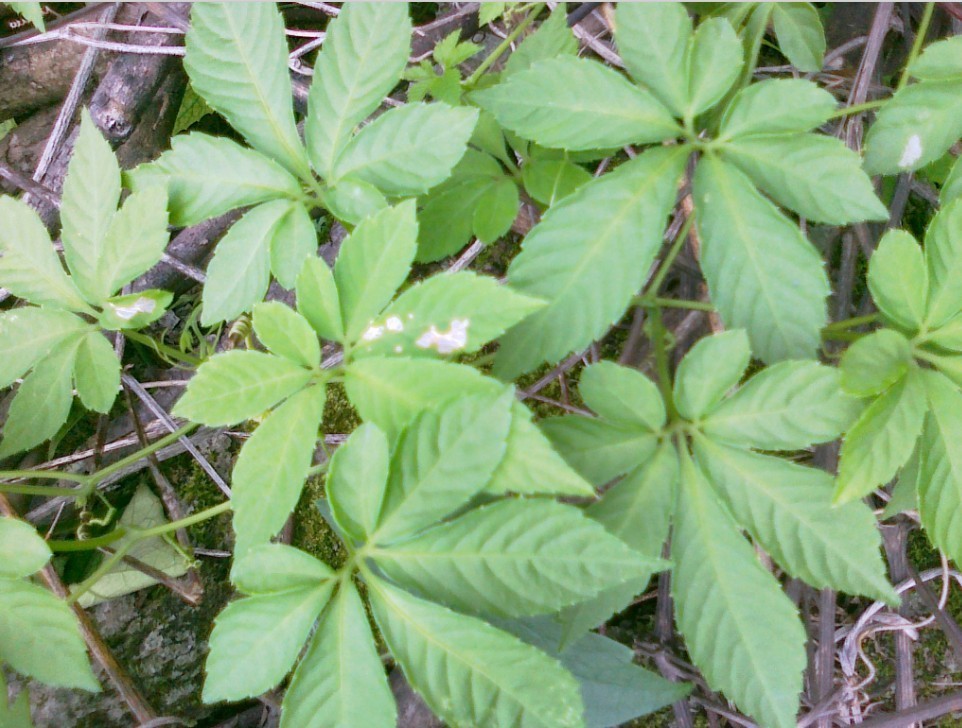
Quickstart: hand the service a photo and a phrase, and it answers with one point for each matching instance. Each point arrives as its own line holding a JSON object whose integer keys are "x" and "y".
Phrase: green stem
{"x": 49, "y": 474}
{"x": 661, "y": 364}
{"x": 503, "y": 46}
{"x": 851, "y": 323}
{"x": 920, "y": 34}
{"x": 658, "y": 302}
{"x": 858, "y": 108}
{"x": 105, "y": 566}
{"x": 673, "y": 252}
{"x": 142, "y": 453}
{"x": 42, "y": 490}
{"x": 160, "y": 348}
{"x": 199, "y": 517}
{"x": 88, "y": 544}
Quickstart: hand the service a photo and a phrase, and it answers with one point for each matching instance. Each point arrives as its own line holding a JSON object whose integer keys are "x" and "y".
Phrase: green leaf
{"x": 623, "y": 395}
{"x": 441, "y": 461}
{"x": 272, "y": 568}
{"x": 898, "y": 279}
{"x": 574, "y": 103}
{"x": 653, "y": 39}
{"x": 42, "y": 403}
{"x": 816, "y": 176}
{"x": 352, "y": 201}
{"x": 943, "y": 255}
{"x": 373, "y": 262}
{"x": 239, "y": 272}
{"x": 238, "y": 385}
{"x": 905, "y": 492}
{"x": 40, "y": 637}
{"x": 294, "y": 241}
{"x": 256, "y": 640}
{"x": 134, "y": 243}
{"x": 470, "y": 673}
{"x": 614, "y": 689}
{"x": 366, "y": 48}
{"x": 637, "y": 510}
{"x": 587, "y": 257}
{"x": 875, "y": 362}
{"x": 757, "y": 663}
{"x": 16, "y": 713}
{"x": 914, "y": 128}
{"x": 777, "y": 106}
{"x": 272, "y": 467}
{"x": 135, "y": 310}
{"x": 408, "y": 150}
{"x": 29, "y": 334}
{"x": 96, "y": 372}
{"x": 952, "y": 186}
{"x": 145, "y": 510}
{"x": 490, "y": 12}
{"x": 514, "y": 558}
{"x": 551, "y": 180}
{"x": 446, "y": 313}
{"x": 940, "y": 467}
{"x": 317, "y": 299}
{"x": 940, "y": 61}
{"x": 206, "y": 176}
{"x": 91, "y": 191}
{"x": 286, "y": 333}
{"x": 762, "y": 273}
{"x": 882, "y": 439}
{"x": 24, "y": 551}
{"x": 237, "y": 61}
{"x": 32, "y": 12}
{"x": 340, "y": 683}
{"x": 714, "y": 62}
{"x": 800, "y": 35}
{"x": 450, "y": 211}
{"x": 29, "y": 267}
{"x": 787, "y": 406}
{"x": 713, "y": 366}
{"x": 496, "y": 211}
{"x": 552, "y": 38}
{"x": 788, "y": 509}
{"x": 948, "y": 335}
{"x": 597, "y": 449}
{"x": 357, "y": 479}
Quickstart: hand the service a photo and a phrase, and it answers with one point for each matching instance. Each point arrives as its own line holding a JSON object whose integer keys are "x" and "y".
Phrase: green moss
{"x": 340, "y": 417}
{"x": 311, "y": 532}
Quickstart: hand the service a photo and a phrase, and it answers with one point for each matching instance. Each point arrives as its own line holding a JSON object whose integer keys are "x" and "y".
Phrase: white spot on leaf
{"x": 141, "y": 305}
{"x": 373, "y": 333}
{"x": 394, "y": 324}
{"x": 912, "y": 152}
{"x": 455, "y": 338}
{"x": 398, "y": 349}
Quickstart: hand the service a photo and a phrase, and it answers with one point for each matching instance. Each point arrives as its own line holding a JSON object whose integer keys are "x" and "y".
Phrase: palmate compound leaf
{"x": 757, "y": 663}
{"x": 441, "y": 461}
{"x": 42, "y": 402}
{"x": 286, "y": 333}
{"x": 206, "y": 176}
{"x": 816, "y": 176}
{"x": 514, "y": 558}
{"x": 552, "y": 38}
{"x": 391, "y": 392}
{"x": 372, "y": 264}
{"x": 875, "y": 362}
{"x": 940, "y": 466}
{"x": 623, "y": 395}
{"x": 762, "y": 272}
{"x": 357, "y": 479}
{"x": 318, "y": 300}
{"x": 637, "y": 509}
{"x": 882, "y": 439}
{"x": 446, "y": 314}
{"x": 237, "y": 61}
{"x": 238, "y": 385}
{"x": 709, "y": 370}
{"x": 800, "y": 35}
{"x": 40, "y": 637}
{"x": 786, "y": 406}
{"x": 777, "y": 106}
{"x": 587, "y": 257}
{"x": 788, "y": 509}
{"x": 23, "y": 551}
{"x": 408, "y": 150}
{"x": 940, "y": 61}
{"x": 653, "y": 39}
{"x": 96, "y": 372}
{"x": 470, "y": 673}
{"x": 714, "y": 62}
{"x": 577, "y": 104}
{"x": 272, "y": 467}
{"x": 898, "y": 280}
{"x": 30, "y": 333}
{"x": 29, "y": 267}
{"x": 598, "y": 449}
{"x": 340, "y": 682}
{"x": 257, "y": 639}
{"x": 366, "y": 48}
{"x": 943, "y": 257}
